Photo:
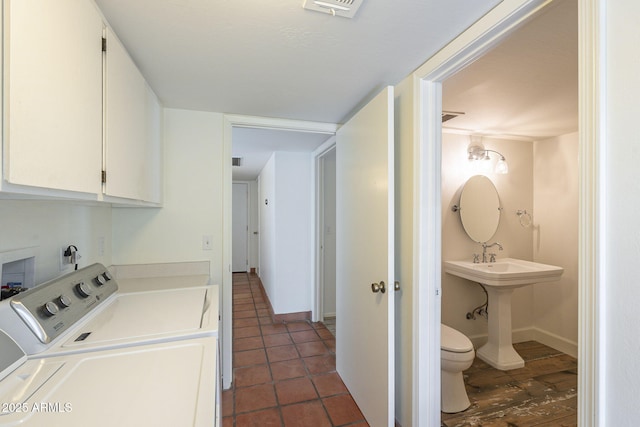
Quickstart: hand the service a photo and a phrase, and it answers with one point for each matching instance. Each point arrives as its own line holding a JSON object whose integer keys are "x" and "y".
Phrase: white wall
{"x": 515, "y": 190}
{"x": 192, "y": 199}
{"x": 620, "y": 206}
{"x": 268, "y": 228}
{"x": 555, "y": 231}
{"x": 50, "y": 226}
{"x": 285, "y": 224}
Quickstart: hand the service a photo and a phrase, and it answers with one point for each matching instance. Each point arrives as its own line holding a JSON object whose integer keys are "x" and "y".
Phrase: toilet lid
{"x": 453, "y": 340}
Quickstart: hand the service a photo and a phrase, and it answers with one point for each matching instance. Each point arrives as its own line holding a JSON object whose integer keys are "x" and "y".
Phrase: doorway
{"x": 463, "y": 51}
{"x": 240, "y": 196}
{"x": 326, "y": 236}
{"x": 281, "y": 127}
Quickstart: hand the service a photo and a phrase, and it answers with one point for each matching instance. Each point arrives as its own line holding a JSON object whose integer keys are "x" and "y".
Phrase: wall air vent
{"x": 344, "y": 8}
{"x": 448, "y": 115}
{"x": 236, "y": 161}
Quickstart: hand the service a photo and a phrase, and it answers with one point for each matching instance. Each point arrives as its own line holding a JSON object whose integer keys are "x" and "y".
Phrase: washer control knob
{"x": 83, "y": 289}
{"x": 100, "y": 280}
{"x": 50, "y": 309}
{"x": 107, "y": 275}
{"x": 64, "y": 301}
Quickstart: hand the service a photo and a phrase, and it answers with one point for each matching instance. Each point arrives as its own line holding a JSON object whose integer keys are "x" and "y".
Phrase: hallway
{"x": 284, "y": 373}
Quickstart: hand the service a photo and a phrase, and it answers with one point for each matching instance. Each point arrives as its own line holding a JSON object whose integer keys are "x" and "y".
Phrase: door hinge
{"x": 103, "y": 177}
{"x": 104, "y": 44}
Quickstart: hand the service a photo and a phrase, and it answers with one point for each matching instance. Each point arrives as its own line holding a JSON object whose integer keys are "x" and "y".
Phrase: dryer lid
{"x": 453, "y": 340}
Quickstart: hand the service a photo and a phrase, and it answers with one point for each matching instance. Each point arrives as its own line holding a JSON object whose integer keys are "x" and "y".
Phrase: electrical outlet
{"x": 66, "y": 261}
{"x": 207, "y": 242}
{"x": 63, "y": 261}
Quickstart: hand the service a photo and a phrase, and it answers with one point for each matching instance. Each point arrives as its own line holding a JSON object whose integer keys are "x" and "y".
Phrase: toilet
{"x": 456, "y": 355}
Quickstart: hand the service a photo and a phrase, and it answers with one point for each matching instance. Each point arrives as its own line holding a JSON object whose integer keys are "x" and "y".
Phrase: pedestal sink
{"x": 500, "y": 278}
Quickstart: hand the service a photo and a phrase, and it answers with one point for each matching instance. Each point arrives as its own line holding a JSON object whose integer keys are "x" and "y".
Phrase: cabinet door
{"x": 132, "y": 128}
{"x": 53, "y": 94}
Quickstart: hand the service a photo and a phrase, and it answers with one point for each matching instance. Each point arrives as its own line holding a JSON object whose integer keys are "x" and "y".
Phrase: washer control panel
{"x": 52, "y": 307}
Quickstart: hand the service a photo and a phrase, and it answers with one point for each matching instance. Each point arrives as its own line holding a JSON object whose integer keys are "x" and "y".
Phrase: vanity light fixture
{"x": 477, "y": 152}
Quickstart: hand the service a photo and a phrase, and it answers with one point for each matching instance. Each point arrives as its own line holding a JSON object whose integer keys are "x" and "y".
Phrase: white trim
{"x": 240, "y": 121}
{"x": 229, "y": 122}
{"x": 427, "y": 257}
{"x": 591, "y": 258}
{"x": 317, "y": 303}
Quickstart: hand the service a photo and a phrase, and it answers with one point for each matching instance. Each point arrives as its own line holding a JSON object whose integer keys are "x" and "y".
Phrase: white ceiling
{"x": 527, "y": 86}
{"x": 255, "y": 147}
{"x": 274, "y": 58}
{"x": 287, "y": 62}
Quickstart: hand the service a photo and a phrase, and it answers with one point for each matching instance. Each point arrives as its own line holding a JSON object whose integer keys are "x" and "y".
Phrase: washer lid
{"x": 453, "y": 340}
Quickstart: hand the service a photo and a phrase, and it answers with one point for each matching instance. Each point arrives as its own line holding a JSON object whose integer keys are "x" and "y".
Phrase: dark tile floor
{"x": 543, "y": 393}
{"x": 284, "y": 373}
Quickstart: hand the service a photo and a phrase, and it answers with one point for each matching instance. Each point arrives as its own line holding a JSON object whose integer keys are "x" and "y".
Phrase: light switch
{"x": 207, "y": 242}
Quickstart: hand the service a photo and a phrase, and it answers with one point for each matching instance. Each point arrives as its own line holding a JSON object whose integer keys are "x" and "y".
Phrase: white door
{"x": 365, "y": 255}
{"x": 240, "y": 227}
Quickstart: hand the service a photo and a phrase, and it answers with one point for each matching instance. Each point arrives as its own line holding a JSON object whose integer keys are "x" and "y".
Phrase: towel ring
{"x": 524, "y": 217}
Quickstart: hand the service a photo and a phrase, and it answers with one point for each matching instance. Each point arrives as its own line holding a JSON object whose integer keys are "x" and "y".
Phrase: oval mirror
{"x": 479, "y": 208}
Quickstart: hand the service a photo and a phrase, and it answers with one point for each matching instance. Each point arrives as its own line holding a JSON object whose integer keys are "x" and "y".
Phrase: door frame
{"x": 226, "y": 301}
{"x": 473, "y": 43}
{"x": 317, "y": 303}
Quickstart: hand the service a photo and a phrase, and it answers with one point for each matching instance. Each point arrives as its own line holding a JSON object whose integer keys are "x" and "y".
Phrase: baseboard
{"x": 329, "y": 314}
{"x": 292, "y": 317}
{"x": 283, "y": 317}
{"x": 555, "y": 341}
{"x": 535, "y": 334}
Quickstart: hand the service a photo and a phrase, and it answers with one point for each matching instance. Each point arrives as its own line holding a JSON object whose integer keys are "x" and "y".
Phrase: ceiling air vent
{"x": 344, "y": 8}
{"x": 236, "y": 161}
{"x": 448, "y": 115}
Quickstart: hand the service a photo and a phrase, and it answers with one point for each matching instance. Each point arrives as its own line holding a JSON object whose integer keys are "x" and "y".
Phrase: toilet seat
{"x": 454, "y": 341}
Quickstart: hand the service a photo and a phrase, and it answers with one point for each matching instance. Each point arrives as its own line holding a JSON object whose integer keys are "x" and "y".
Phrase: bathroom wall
{"x": 555, "y": 239}
{"x": 543, "y": 179}
{"x": 515, "y": 189}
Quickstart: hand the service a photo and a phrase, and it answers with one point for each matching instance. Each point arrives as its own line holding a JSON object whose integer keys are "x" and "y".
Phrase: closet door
{"x": 53, "y": 94}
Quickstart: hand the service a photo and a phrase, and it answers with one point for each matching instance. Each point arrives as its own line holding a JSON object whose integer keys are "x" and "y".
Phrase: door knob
{"x": 378, "y": 287}
{"x": 396, "y": 286}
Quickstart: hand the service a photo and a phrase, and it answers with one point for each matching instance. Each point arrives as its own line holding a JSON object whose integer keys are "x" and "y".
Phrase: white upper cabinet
{"x": 52, "y": 94}
{"x": 132, "y": 129}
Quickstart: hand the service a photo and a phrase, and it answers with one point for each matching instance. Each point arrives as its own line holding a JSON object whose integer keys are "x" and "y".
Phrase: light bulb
{"x": 502, "y": 167}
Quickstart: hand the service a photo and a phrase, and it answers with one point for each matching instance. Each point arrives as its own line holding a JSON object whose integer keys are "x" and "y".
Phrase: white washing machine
{"x": 151, "y": 385}
{"x": 81, "y": 316}
{"x": 83, "y": 311}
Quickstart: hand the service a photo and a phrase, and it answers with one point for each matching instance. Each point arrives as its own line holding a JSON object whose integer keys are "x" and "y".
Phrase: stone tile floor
{"x": 284, "y": 373}
{"x": 543, "y": 393}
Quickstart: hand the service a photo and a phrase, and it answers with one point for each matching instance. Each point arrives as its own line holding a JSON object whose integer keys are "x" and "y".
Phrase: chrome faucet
{"x": 484, "y": 251}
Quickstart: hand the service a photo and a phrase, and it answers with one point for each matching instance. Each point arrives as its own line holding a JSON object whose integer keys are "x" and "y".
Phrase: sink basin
{"x": 500, "y": 279}
{"x": 505, "y": 272}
